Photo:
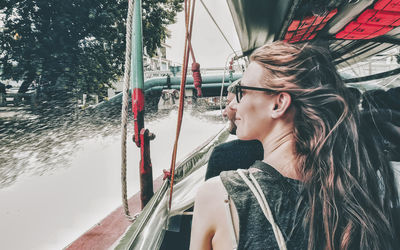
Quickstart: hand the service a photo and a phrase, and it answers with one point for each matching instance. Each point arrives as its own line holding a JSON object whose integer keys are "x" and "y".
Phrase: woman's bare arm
{"x": 203, "y": 228}
{"x": 209, "y": 225}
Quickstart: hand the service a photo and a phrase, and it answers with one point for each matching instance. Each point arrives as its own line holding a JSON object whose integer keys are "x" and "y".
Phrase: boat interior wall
{"x": 177, "y": 236}
{"x": 350, "y": 52}
{"x": 151, "y": 226}
{"x": 396, "y": 171}
{"x": 372, "y": 77}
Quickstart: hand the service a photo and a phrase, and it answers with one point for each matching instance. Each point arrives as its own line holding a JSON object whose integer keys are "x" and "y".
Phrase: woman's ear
{"x": 282, "y": 103}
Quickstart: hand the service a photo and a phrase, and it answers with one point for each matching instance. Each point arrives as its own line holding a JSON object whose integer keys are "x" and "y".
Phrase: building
{"x": 156, "y": 66}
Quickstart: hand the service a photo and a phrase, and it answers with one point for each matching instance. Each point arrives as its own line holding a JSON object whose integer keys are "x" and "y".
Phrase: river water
{"x": 60, "y": 171}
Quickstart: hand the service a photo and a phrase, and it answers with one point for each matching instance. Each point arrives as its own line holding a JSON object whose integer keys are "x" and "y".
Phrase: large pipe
{"x": 157, "y": 84}
{"x": 206, "y": 86}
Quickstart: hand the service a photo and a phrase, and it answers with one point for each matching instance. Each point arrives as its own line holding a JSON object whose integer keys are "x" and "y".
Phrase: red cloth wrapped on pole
{"x": 197, "y": 77}
{"x": 138, "y": 112}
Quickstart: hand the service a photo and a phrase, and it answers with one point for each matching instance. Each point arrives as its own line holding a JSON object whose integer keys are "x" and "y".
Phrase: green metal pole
{"x": 142, "y": 135}
{"x": 137, "y": 79}
{"x": 137, "y": 47}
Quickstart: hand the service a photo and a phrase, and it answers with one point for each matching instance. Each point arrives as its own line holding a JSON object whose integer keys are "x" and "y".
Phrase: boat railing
{"x": 147, "y": 232}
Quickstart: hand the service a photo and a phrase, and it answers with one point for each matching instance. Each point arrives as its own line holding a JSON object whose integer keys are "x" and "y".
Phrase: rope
{"x": 267, "y": 211}
{"x": 195, "y": 66}
{"x": 197, "y": 77}
{"x": 181, "y": 95}
{"x": 257, "y": 191}
{"x": 191, "y": 26}
{"x": 222, "y": 33}
{"x": 124, "y": 111}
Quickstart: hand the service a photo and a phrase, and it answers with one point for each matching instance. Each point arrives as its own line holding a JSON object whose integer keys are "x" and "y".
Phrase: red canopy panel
{"x": 386, "y": 18}
{"x": 307, "y": 28}
{"x": 388, "y": 5}
{"x": 362, "y": 31}
{"x": 373, "y": 22}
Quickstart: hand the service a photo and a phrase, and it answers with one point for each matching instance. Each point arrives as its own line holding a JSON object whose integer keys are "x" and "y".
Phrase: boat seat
{"x": 397, "y": 219}
{"x": 177, "y": 234}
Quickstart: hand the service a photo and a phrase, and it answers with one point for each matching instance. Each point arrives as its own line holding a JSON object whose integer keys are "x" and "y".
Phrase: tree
{"x": 76, "y": 44}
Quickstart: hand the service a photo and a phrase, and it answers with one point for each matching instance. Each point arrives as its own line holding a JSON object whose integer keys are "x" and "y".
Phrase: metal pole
{"x": 137, "y": 82}
{"x": 142, "y": 136}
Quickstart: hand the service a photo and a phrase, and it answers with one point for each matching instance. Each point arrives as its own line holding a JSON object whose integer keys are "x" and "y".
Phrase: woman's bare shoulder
{"x": 211, "y": 190}
{"x": 207, "y": 213}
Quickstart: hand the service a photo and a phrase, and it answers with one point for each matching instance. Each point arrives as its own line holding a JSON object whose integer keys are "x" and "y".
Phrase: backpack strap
{"x": 262, "y": 201}
{"x": 230, "y": 221}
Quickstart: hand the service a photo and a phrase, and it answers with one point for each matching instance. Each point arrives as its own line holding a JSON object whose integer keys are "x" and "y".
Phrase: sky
{"x": 209, "y": 46}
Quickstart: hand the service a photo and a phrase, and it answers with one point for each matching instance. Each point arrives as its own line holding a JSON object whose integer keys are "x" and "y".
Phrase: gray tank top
{"x": 282, "y": 194}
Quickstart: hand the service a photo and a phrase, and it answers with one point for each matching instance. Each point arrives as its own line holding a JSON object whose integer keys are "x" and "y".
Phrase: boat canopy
{"x": 353, "y": 30}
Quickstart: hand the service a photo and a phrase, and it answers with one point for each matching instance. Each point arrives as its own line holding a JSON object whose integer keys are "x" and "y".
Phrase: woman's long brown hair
{"x": 349, "y": 187}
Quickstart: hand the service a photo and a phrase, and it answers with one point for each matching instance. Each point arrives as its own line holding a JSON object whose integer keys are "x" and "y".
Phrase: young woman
{"x": 317, "y": 187}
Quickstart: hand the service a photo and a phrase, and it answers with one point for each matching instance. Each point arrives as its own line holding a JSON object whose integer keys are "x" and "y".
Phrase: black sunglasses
{"x": 239, "y": 92}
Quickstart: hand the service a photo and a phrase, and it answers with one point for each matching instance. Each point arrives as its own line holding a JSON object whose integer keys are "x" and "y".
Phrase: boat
{"x": 353, "y": 30}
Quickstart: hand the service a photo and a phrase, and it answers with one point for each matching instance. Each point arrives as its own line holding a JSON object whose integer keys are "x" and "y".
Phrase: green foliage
{"x": 76, "y": 44}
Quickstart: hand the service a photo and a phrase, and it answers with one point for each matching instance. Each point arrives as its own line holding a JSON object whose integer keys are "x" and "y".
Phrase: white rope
{"x": 229, "y": 218}
{"x": 125, "y": 103}
{"x": 230, "y": 222}
{"x": 257, "y": 191}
